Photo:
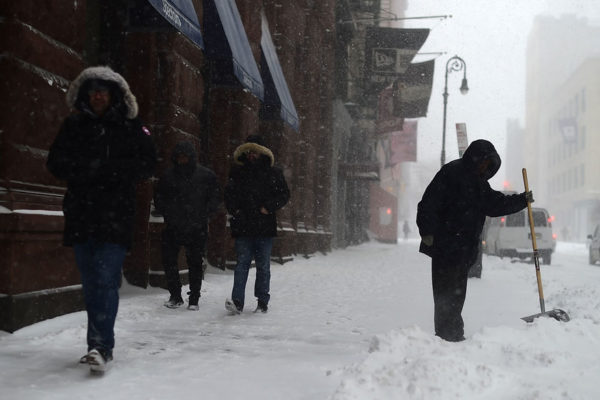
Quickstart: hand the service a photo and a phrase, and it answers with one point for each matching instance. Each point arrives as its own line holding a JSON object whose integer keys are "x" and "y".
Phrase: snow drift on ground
{"x": 354, "y": 324}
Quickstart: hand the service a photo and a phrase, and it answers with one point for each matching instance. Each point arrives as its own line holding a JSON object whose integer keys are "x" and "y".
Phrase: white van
{"x": 510, "y": 236}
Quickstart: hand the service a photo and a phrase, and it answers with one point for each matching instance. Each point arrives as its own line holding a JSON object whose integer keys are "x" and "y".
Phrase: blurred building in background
{"x": 560, "y": 147}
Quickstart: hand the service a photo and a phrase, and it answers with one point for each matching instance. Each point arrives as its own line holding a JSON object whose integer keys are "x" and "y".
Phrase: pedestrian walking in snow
{"x": 256, "y": 189}
{"x": 405, "y": 229}
{"x": 187, "y": 195}
{"x": 450, "y": 218}
{"x": 101, "y": 151}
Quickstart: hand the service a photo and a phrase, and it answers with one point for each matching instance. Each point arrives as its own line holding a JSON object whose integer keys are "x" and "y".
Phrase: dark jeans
{"x": 100, "y": 265}
{"x": 194, "y": 251}
{"x": 259, "y": 249}
{"x": 449, "y": 279}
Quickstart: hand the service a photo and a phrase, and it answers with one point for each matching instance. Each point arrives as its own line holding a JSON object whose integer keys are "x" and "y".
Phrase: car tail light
{"x": 554, "y": 236}
{"x": 502, "y": 220}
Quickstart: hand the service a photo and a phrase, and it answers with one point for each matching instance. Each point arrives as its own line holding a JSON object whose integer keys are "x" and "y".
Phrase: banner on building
{"x": 413, "y": 90}
{"x": 461, "y": 138}
{"x": 400, "y": 146}
{"x": 388, "y": 54}
{"x": 407, "y": 97}
{"x": 386, "y": 121}
{"x": 568, "y": 129}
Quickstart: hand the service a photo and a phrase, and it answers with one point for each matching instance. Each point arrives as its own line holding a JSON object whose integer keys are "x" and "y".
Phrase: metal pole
{"x": 443, "y": 158}
{"x": 453, "y": 64}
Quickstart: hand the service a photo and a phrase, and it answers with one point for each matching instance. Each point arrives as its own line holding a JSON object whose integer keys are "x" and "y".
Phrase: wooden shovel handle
{"x": 531, "y": 226}
{"x": 535, "y": 249}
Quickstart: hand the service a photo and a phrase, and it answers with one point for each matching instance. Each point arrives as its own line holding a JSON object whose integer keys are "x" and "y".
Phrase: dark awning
{"x": 277, "y": 93}
{"x": 182, "y": 15}
{"x": 226, "y": 41}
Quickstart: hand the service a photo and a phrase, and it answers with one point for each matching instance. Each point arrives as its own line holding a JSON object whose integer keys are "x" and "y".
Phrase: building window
{"x": 582, "y": 174}
{"x": 582, "y": 138}
{"x": 583, "y": 100}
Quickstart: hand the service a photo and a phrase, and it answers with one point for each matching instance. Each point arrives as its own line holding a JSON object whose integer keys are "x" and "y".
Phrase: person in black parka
{"x": 450, "y": 217}
{"x": 102, "y": 151}
{"x": 187, "y": 195}
{"x": 256, "y": 189}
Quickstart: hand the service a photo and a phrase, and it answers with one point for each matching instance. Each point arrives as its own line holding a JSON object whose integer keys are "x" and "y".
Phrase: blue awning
{"x": 226, "y": 40}
{"x": 276, "y": 88}
{"x": 182, "y": 15}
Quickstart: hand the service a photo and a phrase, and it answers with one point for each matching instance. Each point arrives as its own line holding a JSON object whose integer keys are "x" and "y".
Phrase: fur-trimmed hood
{"x": 106, "y": 74}
{"x": 240, "y": 153}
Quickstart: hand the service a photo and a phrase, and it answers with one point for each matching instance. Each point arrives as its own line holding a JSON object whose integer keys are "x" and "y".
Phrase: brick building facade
{"x": 46, "y": 44}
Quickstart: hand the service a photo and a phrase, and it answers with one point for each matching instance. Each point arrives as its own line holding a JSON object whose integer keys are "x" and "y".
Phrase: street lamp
{"x": 453, "y": 64}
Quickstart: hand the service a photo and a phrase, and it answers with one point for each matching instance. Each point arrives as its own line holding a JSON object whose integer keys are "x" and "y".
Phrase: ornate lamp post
{"x": 453, "y": 64}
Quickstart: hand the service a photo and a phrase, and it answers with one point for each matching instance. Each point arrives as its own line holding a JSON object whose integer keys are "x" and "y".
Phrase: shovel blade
{"x": 557, "y": 314}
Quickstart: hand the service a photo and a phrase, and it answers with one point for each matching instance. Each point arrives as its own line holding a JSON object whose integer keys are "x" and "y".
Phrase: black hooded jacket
{"x": 101, "y": 158}
{"x": 187, "y": 195}
{"x": 456, "y": 202}
{"x": 252, "y": 186}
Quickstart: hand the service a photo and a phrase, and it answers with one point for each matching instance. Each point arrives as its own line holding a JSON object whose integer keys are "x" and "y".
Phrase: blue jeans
{"x": 246, "y": 249}
{"x": 100, "y": 266}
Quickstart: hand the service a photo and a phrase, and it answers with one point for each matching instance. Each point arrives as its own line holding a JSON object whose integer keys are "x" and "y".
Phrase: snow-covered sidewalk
{"x": 355, "y": 324}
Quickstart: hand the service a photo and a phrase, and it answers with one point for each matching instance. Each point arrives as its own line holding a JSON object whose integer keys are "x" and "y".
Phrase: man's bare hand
{"x": 264, "y": 211}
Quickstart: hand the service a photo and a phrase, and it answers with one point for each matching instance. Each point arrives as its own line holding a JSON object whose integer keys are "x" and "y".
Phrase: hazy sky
{"x": 491, "y": 37}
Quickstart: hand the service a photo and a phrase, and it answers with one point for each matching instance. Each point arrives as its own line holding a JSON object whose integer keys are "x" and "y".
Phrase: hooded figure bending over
{"x": 450, "y": 218}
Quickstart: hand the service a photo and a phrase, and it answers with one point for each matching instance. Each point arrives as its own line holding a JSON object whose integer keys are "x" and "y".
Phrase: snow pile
{"x": 548, "y": 359}
{"x": 543, "y": 360}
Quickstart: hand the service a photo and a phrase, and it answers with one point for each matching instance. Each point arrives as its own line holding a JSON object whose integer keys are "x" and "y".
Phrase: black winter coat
{"x": 187, "y": 195}
{"x": 251, "y": 187}
{"x": 101, "y": 160}
{"x": 456, "y": 202}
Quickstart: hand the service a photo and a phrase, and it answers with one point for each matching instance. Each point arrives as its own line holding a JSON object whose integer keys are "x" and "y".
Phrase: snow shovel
{"x": 557, "y": 314}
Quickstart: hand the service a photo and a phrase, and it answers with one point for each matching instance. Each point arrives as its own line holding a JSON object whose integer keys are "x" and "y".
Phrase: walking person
{"x": 187, "y": 195}
{"x": 256, "y": 189}
{"x": 405, "y": 229}
{"x": 450, "y": 218}
{"x": 102, "y": 151}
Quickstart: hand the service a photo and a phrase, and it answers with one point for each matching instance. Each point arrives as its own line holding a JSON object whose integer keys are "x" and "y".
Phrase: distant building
{"x": 556, "y": 47}
{"x": 560, "y": 149}
{"x": 570, "y": 123}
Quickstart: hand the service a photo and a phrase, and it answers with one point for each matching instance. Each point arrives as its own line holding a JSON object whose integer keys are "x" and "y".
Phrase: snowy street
{"x": 354, "y": 324}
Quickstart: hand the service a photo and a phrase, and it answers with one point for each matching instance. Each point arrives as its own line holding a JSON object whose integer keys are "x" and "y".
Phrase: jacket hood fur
{"x": 262, "y": 150}
{"x": 106, "y": 74}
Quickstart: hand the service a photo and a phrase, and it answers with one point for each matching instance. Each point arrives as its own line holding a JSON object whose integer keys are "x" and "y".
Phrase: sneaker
{"x": 262, "y": 307}
{"x": 233, "y": 307}
{"x": 97, "y": 362}
{"x": 193, "y": 307}
{"x": 84, "y": 359}
{"x": 174, "y": 302}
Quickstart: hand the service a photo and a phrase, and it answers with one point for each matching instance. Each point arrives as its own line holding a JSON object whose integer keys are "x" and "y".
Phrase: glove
{"x": 529, "y": 197}
{"x": 428, "y": 240}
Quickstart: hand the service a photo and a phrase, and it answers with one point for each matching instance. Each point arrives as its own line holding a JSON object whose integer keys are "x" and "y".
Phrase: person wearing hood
{"x": 256, "y": 189}
{"x": 187, "y": 195}
{"x": 450, "y": 217}
{"x": 102, "y": 151}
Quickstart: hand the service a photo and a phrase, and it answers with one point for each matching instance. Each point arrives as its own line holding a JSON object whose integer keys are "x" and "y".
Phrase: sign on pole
{"x": 461, "y": 138}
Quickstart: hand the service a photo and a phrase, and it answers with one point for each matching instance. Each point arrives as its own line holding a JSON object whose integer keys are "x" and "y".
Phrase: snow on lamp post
{"x": 453, "y": 64}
